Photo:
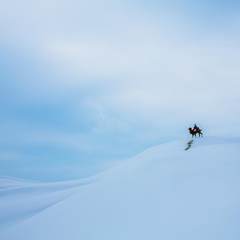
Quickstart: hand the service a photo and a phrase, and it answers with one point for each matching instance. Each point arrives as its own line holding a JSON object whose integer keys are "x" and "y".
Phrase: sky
{"x": 87, "y": 83}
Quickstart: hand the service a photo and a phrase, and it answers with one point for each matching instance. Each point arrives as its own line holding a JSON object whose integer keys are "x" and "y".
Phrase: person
{"x": 196, "y": 128}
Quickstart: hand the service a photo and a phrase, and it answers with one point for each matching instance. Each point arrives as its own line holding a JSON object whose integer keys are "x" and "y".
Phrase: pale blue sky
{"x": 87, "y": 83}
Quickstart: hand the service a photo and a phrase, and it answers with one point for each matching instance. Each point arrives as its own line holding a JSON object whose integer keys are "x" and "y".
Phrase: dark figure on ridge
{"x": 195, "y": 130}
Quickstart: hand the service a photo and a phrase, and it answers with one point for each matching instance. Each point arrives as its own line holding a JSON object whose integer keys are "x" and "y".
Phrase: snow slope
{"x": 162, "y": 193}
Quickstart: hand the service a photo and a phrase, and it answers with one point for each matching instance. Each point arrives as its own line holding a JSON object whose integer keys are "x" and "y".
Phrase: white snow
{"x": 163, "y": 193}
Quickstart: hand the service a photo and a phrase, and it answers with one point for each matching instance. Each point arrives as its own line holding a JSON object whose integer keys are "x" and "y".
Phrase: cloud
{"x": 155, "y": 77}
{"x": 132, "y": 73}
{"x": 141, "y": 66}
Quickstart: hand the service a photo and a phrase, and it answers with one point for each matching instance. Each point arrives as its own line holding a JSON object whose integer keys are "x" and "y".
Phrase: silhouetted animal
{"x": 194, "y": 131}
{"x": 199, "y": 132}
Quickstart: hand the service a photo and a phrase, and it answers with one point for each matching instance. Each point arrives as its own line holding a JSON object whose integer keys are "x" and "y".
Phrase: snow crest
{"x": 162, "y": 193}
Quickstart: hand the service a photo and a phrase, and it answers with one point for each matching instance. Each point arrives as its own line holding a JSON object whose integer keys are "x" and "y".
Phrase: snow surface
{"x": 163, "y": 193}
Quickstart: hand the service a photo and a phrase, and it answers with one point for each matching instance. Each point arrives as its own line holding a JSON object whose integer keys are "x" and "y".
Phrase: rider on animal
{"x": 195, "y": 130}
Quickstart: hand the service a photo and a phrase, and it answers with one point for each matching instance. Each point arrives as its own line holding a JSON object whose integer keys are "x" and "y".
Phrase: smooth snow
{"x": 163, "y": 193}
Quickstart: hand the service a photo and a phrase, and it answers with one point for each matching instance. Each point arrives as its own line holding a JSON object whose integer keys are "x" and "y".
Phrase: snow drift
{"x": 163, "y": 193}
